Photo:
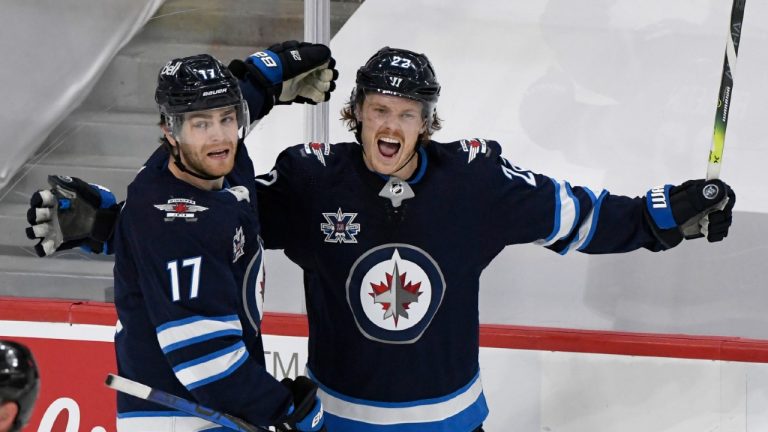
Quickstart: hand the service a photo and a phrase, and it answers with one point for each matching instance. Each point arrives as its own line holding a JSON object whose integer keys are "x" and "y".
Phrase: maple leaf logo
{"x": 395, "y": 295}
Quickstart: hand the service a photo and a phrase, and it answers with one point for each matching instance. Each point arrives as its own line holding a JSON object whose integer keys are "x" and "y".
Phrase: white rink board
{"x": 575, "y": 392}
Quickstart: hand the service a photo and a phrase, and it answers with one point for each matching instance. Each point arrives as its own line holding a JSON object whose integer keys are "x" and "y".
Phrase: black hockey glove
{"x": 290, "y": 72}
{"x": 696, "y": 208}
{"x": 72, "y": 213}
{"x": 306, "y": 413}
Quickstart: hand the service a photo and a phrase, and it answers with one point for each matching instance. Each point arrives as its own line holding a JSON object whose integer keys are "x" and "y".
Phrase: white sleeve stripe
{"x": 566, "y": 213}
{"x": 587, "y": 228}
{"x": 194, "y": 331}
{"x": 212, "y": 367}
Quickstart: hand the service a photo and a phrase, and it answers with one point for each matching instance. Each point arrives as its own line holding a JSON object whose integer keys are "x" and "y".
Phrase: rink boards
{"x": 535, "y": 378}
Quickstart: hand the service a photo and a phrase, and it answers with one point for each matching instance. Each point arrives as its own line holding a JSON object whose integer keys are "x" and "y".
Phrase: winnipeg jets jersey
{"x": 189, "y": 284}
{"x": 392, "y": 269}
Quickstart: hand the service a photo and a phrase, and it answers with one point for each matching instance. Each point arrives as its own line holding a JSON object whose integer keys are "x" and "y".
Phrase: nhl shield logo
{"x": 394, "y": 292}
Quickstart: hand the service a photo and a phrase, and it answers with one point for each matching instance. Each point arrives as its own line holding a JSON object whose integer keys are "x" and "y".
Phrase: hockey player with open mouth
{"x": 394, "y": 229}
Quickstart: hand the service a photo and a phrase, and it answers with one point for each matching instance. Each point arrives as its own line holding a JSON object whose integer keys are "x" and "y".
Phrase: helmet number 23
{"x": 400, "y": 62}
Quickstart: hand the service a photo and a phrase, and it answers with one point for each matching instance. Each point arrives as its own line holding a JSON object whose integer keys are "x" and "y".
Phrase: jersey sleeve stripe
{"x": 588, "y": 228}
{"x": 181, "y": 333}
{"x": 566, "y": 210}
{"x": 212, "y": 367}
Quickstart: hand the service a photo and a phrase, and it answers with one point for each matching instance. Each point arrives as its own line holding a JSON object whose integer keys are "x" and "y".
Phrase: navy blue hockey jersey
{"x": 189, "y": 284}
{"x": 392, "y": 291}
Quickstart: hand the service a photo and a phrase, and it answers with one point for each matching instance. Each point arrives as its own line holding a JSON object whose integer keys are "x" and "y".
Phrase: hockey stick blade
{"x": 726, "y": 89}
{"x": 141, "y": 391}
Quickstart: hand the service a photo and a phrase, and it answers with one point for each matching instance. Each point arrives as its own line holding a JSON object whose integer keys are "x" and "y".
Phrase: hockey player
{"x": 189, "y": 275}
{"x": 19, "y": 385}
{"x": 393, "y": 231}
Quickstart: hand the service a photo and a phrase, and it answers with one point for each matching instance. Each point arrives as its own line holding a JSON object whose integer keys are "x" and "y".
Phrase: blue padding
{"x": 268, "y": 63}
{"x": 659, "y": 208}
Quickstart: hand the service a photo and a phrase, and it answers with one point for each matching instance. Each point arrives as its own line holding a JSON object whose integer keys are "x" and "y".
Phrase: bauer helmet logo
{"x": 170, "y": 68}
{"x": 214, "y": 92}
{"x": 710, "y": 191}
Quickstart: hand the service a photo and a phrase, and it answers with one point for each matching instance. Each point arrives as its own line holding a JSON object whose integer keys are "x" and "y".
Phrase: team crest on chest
{"x": 238, "y": 244}
{"x": 183, "y": 208}
{"x": 394, "y": 292}
{"x": 339, "y": 227}
{"x": 472, "y": 147}
{"x": 320, "y": 150}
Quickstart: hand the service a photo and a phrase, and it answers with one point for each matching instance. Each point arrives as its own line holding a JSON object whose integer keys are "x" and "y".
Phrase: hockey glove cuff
{"x": 696, "y": 208}
{"x": 290, "y": 72}
{"x": 306, "y": 413}
{"x": 72, "y": 213}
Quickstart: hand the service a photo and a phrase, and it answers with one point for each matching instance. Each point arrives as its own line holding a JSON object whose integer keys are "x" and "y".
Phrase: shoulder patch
{"x": 320, "y": 150}
{"x": 474, "y": 146}
{"x": 183, "y": 208}
{"x": 240, "y": 192}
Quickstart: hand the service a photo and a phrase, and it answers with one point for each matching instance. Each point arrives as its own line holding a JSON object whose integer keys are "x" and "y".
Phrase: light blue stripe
{"x": 192, "y": 319}
{"x": 221, "y": 375}
{"x": 557, "y": 211}
{"x": 201, "y": 338}
{"x": 577, "y": 224}
{"x": 228, "y": 350}
{"x": 393, "y": 404}
{"x": 595, "y": 218}
{"x": 422, "y": 168}
{"x": 467, "y": 420}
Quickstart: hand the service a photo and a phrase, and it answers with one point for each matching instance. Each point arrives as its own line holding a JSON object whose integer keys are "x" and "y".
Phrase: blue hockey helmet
{"x": 19, "y": 380}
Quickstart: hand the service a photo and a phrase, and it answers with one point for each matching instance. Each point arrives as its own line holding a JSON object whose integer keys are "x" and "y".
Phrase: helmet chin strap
{"x": 415, "y": 150}
{"x": 177, "y": 161}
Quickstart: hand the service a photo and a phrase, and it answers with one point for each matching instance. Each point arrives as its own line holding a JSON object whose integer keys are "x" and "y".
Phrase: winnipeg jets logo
{"x": 183, "y": 208}
{"x": 253, "y": 289}
{"x": 320, "y": 150}
{"x": 339, "y": 227}
{"x": 394, "y": 292}
{"x": 473, "y": 147}
{"x": 238, "y": 244}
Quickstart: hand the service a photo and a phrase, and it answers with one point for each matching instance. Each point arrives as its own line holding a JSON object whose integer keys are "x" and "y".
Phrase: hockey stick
{"x": 726, "y": 87}
{"x": 723, "y": 105}
{"x": 142, "y": 391}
